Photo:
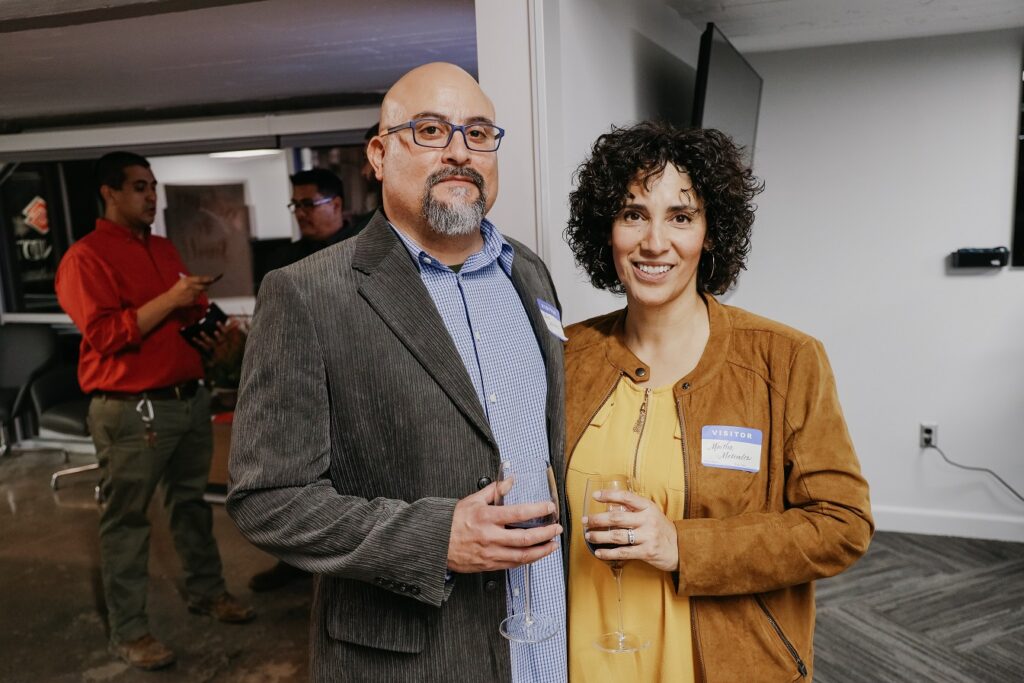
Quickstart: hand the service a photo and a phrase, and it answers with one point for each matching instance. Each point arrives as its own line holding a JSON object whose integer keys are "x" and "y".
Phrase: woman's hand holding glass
{"x": 653, "y": 536}
{"x": 599, "y": 508}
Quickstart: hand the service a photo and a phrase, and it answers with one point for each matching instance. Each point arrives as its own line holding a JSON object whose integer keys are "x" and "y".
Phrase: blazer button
{"x": 491, "y": 586}
{"x": 483, "y": 482}
{"x": 379, "y": 581}
{"x": 415, "y": 590}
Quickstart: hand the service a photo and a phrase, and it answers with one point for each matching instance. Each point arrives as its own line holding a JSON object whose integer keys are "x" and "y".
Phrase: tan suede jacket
{"x": 751, "y": 544}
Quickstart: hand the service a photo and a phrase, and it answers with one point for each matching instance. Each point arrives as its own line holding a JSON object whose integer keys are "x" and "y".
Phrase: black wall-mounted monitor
{"x": 728, "y": 91}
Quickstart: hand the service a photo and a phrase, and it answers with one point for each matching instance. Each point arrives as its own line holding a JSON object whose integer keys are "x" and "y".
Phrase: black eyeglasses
{"x": 307, "y": 204}
{"x": 438, "y": 133}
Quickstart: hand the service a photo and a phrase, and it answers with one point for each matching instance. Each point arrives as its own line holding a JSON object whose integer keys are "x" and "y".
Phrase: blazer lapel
{"x": 395, "y": 291}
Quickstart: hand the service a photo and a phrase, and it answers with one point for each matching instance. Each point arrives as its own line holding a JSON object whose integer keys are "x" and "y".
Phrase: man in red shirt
{"x": 128, "y": 292}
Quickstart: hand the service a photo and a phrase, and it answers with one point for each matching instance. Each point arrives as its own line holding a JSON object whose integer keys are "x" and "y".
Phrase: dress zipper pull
{"x": 642, "y": 418}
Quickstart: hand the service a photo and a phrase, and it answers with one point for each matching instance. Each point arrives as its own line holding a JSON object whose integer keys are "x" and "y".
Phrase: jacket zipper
{"x": 638, "y": 428}
{"x": 686, "y": 514}
{"x": 782, "y": 636}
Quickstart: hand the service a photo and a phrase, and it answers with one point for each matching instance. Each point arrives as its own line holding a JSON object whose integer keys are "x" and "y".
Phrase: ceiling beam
{"x": 196, "y": 111}
{"x": 29, "y": 15}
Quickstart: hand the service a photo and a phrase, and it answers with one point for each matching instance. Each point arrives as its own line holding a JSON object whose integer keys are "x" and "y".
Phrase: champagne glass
{"x": 529, "y": 480}
{"x": 618, "y": 641}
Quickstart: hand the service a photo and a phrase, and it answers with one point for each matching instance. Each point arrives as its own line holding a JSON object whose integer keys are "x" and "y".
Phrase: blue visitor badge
{"x": 731, "y": 448}
{"x": 552, "y": 318}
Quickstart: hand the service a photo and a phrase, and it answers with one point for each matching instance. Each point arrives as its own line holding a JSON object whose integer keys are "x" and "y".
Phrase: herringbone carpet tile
{"x": 924, "y": 609}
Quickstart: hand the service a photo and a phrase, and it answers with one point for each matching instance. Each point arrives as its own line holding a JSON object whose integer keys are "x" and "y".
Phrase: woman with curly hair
{"x": 745, "y": 485}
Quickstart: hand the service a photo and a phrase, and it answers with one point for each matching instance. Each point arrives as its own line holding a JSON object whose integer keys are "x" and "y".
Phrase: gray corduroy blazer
{"x": 356, "y": 431}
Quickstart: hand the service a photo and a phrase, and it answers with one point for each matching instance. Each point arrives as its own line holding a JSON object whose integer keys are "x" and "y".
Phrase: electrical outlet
{"x": 929, "y": 434}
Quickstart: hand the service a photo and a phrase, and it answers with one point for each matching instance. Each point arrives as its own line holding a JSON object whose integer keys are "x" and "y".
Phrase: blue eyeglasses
{"x": 437, "y": 133}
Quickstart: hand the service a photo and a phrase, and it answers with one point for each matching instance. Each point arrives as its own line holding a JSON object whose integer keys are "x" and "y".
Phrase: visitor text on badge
{"x": 731, "y": 448}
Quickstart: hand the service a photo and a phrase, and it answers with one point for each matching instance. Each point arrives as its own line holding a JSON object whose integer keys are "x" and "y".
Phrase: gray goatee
{"x": 459, "y": 217}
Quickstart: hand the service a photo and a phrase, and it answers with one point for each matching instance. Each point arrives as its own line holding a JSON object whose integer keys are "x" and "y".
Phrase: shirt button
{"x": 426, "y": 259}
{"x": 476, "y": 335}
{"x": 491, "y": 586}
{"x": 482, "y": 482}
{"x": 493, "y": 398}
{"x": 641, "y": 372}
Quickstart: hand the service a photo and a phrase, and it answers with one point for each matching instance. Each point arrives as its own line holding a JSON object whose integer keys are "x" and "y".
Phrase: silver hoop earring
{"x": 712, "y": 273}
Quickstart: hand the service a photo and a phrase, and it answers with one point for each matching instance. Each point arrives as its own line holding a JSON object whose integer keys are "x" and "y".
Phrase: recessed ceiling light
{"x": 245, "y": 153}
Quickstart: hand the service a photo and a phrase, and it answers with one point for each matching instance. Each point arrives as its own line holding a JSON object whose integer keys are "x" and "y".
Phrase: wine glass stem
{"x": 528, "y": 612}
{"x": 617, "y": 571}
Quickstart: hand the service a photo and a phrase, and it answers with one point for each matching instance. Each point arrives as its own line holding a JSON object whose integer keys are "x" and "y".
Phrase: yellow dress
{"x": 620, "y": 440}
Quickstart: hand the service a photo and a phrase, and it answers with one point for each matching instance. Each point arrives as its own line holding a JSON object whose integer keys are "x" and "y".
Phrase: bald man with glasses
{"x": 386, "y": 378}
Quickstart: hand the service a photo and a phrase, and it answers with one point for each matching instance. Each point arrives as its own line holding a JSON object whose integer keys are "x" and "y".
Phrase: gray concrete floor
{"x": 52, "y": 625}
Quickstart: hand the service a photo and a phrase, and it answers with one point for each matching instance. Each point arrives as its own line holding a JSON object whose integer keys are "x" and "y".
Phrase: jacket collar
{"x": 394, "y": 289}
{"x": 714, "y": 355}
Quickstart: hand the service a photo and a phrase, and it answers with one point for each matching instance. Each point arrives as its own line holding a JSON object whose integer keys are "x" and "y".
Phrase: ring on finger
{"x": 630, "y": 536}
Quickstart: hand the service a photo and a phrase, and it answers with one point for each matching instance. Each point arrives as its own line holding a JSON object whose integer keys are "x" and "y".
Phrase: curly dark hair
{"x": 640, "y": 153}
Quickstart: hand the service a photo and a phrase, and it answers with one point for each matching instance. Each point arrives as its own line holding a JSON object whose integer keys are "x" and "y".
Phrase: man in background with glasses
{"x": 385, "y": 380}
{"x": 318, "y": 205}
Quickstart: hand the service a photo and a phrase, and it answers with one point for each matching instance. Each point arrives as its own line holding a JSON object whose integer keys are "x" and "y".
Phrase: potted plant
{"x": 224, "y": 365}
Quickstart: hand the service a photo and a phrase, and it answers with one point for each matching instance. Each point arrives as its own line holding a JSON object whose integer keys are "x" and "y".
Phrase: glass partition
{"x": 226, "y": 213}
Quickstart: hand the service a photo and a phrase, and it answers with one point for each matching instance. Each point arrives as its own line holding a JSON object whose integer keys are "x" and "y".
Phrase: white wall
{"x": 879, "y": 160}
{"x": 503, "y": 33}
{"x": 602, "y": 62}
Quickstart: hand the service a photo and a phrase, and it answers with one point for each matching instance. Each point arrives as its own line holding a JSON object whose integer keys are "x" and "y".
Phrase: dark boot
{"x": 281, "y": 574}
{"x": 224, "y": 608}
{"x": 146, "y": 653}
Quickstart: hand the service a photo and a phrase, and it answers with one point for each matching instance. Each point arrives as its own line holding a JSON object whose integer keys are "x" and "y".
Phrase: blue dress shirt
{"x": 486, "y": 320}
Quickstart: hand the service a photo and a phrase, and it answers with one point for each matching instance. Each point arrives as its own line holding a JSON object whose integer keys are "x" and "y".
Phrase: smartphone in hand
{"x": 207, "y": 324}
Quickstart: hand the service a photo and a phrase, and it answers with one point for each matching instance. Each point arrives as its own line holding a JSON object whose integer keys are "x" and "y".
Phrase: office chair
{"x": 61, "y": 407}
{"x": 26, "y": 349}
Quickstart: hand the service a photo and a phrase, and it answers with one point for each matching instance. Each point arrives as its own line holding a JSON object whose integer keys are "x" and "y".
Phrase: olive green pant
{"x": 178, "y": 459}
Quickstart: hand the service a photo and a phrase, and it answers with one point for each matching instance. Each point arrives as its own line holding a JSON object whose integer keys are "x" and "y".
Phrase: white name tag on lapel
{"x": 552, "y": 318}
{"x": 731, "y": 448}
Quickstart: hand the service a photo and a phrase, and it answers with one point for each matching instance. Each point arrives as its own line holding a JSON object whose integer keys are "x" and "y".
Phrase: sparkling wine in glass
{"x": 618, "y": 641}
{"x": 532, "y": 481}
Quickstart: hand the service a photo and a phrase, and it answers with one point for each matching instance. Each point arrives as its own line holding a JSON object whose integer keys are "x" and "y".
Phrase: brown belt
{"x": 178, "y": 392}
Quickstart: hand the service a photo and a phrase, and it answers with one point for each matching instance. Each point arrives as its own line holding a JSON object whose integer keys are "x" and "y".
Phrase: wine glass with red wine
{"x": 532, "y": 481}
{"x": 618, "y": 641}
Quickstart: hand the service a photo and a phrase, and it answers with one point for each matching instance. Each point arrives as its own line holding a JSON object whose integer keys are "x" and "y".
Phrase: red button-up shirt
{"x": 101, "y": 283}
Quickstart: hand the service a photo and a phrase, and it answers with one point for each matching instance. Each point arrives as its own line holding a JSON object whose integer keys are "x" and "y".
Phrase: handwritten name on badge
{"x": 731, "y": 448}
{"x": 552, "y": 318}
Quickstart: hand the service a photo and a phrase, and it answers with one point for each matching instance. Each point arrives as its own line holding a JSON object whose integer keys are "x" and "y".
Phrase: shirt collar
{"x": 118, "y": 230}
{"x": 496, "y": 248}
